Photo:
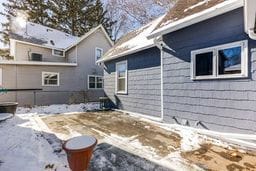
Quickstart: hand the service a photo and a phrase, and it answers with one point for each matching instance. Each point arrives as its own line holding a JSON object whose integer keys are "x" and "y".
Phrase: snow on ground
{"x": 4, "y": 116}
{"x": 23, "y": 147}
{"x": 59, "y": 109}
{"x": 27, "y": 143}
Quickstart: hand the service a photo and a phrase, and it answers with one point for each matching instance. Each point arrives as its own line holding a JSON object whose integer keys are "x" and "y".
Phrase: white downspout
{"x": 248, "y": 5}
{"x": 159, "y": 44}
{"x": 252, "y": 34}
{"x": 162, "y": 84}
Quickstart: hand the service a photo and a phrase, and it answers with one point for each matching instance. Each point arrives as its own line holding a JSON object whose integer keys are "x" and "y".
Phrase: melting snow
{"x": 139, "y": 41}
{"x": 196, "y": 5}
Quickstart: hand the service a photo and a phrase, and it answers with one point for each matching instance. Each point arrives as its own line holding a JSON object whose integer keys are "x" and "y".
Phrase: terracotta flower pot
{"x": 79, "y": 152}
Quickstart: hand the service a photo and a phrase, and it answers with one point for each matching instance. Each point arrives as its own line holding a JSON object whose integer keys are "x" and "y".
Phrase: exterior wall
{"x": 224, "y": 105}
{"x": 143, "y": 83}
{"x": 30, "y": 77}
{"x": 23, "y": 53}
{"x": 73, "y": 80}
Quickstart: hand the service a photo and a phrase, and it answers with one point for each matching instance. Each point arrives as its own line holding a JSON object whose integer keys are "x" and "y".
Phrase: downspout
{"x": 252, "y": 31}
{"x": 160, "y": 45}
{"x": 248, "y": 27}
{"x": 162, "y": 84}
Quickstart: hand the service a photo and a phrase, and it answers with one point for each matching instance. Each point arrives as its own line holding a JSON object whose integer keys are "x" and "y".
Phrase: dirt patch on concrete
{"x": 215, "y": 158}
{"x": 163, "y": 142}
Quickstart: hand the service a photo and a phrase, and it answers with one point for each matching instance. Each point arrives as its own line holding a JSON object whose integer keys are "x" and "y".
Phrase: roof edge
{"x": 214, "y": 11}
{"x": 34, "y": 44}
{"x": 91, "y": 32}
{"x": 126, "y": 53}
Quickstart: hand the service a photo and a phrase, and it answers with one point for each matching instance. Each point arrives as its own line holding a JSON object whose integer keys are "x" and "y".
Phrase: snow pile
{"x": 191, "y": 140}
{"x": 4, "y": 116}
{"x": 59, "y": 109}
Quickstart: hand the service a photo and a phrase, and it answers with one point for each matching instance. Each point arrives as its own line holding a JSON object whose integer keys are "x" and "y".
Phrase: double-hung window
{"x": 50, "y": 79}
{"x": 224, "y": 61}
{"x": 95, "y": 82}
{"x": 121, "y": 77}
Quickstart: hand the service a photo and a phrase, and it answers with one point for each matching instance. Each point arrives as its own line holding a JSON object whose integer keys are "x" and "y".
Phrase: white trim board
{"x": 6, "y": 62}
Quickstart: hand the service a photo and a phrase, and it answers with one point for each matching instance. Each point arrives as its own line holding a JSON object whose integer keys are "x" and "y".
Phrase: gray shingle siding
{"x": 143, "y": 83}
{"x": 224, "y": 105}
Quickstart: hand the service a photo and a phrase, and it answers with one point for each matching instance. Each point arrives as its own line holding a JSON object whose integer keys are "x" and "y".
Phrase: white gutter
{"x": 252, "y": 34}
{"x": 162, "y": 84}
{"x": 6, "y": 62}
{"x": 250, "y": 18}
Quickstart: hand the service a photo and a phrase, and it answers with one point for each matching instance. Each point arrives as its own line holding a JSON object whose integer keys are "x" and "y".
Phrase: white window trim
{"x": 53, "y": 54}
{"x": 58, "y": 81}
{"x": 102, "y": 51}
{"x": 1, "y": 77}
{"x": 88, "y": 84}
{"x": 214, "y": 49}
{"x": 126, "y": 78}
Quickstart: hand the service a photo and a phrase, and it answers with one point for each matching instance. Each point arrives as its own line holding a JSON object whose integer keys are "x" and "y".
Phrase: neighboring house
{"x": 198, "y": 70}
{"x": 61, "y": 66}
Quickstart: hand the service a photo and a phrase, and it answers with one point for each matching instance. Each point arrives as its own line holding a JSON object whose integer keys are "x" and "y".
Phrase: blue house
{"x": 194, "y": 66}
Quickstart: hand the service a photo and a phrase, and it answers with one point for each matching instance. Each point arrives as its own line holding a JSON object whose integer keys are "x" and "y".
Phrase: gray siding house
{"x": 52, "y": 67}
{"x": 199, "y": 71}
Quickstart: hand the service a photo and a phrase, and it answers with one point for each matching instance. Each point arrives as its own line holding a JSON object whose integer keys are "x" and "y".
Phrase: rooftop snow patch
{"x": 44, "y": 36}
{"x": 187, "y": 10}
{"x": 133, "y": 41}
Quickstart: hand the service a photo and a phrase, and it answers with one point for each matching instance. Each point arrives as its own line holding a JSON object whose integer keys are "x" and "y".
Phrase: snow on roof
{"x": 134, "y": 41}
{"x": 44, "y": 36}
{"x": 185, "y": 9}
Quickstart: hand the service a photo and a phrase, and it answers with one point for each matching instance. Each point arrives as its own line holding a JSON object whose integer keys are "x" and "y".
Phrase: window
{"x": 98, "y": 53}
{"x": 121, "y": 77}
{"x": 95, "y": 82}
{"x": 224, "y": 61}
{"x": 59, "y": 53}
{"x": 1, "y": 77}
{"x": 50, "y": 79}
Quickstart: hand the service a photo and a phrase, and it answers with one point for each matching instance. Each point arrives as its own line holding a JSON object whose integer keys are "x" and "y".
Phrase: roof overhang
{"x": 90, "y": 33}
{"x": 198, "y": 17}
{"x": 125, "y": 53}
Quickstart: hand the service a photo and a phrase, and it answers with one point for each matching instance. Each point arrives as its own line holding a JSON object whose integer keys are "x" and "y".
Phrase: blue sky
{"x": 1, "y": 17}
